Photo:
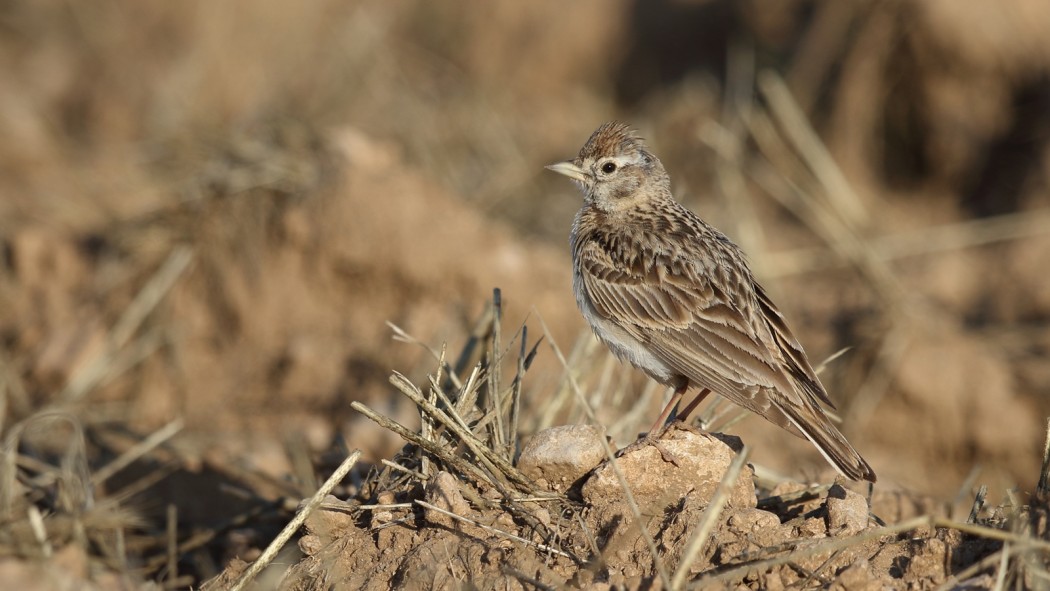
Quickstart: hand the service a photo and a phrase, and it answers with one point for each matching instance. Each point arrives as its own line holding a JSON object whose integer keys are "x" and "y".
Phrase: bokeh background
{"x": 210, "y": 211}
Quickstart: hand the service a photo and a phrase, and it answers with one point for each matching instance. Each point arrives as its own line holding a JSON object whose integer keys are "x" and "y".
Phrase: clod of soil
{"x": 559, "y": 456}
{"x": 451, "y": 530}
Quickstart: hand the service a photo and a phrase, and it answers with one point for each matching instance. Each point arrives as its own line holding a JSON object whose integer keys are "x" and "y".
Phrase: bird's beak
{"x": 570, "y": 170}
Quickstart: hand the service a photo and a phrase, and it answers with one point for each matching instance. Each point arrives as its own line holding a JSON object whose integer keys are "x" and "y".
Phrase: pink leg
{"x": 689, "y": 408}
{"x": 671, "y": 404}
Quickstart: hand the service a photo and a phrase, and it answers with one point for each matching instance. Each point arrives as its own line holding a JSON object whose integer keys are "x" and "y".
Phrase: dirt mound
{"x": 678, "y": 508}
{"x": 211, "y": 211}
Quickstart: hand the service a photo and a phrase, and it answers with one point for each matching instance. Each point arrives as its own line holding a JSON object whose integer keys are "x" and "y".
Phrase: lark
{"x": 672, "y": 295}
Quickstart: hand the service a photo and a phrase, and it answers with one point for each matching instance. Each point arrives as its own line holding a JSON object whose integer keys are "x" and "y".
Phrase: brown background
{"x": 330, "y": 166}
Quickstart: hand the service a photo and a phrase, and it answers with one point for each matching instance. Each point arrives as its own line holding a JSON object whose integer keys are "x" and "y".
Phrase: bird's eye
{"x": 609, "y": 167}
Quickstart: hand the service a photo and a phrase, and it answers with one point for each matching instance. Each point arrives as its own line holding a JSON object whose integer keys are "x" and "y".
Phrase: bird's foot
{"x": 653, "y": 438}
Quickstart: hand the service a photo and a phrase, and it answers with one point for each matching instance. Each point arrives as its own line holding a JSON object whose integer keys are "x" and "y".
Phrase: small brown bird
{"x": 669, "y": 293}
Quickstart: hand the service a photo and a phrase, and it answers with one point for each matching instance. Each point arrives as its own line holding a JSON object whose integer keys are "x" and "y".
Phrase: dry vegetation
{"x": 211, "y": 210}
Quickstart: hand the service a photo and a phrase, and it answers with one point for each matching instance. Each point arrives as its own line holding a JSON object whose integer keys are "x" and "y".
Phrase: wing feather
{"x": 688, "y": 322}
{"x": 799, "y": 365}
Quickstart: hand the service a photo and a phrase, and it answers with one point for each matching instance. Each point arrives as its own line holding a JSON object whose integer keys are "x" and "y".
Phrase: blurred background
{"x": 210, "y": 211}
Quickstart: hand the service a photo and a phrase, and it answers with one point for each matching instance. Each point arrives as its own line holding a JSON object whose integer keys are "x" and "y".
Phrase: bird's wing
{"x": 797, "y": 364}
{"x": 692, "y": 321}
{"x": 718, "y": 328}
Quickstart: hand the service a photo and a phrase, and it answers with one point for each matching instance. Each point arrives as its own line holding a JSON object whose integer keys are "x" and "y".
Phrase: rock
{"x": 543, "y": 516}
{"x": 856, "y": 576}
{"x": 383, "y": 516}
{"x": 222, "y": 581}
{"x": 927, "y": 562}
{"x": 813, "y": 527}
{"x": 443, "y": 492}
{"x": 660, "y": 473}
{"x": 757, "y": 525}
{"x": 847, "y": 512}
{"x": 750, "y": 520}
{"x": 330, "y": 519}
{"x": 311, "y": 544}
{"x": 562, "y": 455}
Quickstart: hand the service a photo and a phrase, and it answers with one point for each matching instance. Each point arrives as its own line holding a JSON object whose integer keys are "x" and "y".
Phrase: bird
{"x": 673, "y": 296}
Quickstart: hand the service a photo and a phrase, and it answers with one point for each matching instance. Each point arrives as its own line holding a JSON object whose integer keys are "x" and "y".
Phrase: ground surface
{"x": 210, "y": 211}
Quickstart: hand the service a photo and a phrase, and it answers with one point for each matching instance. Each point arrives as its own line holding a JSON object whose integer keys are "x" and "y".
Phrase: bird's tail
{"x": 831, "y": 443}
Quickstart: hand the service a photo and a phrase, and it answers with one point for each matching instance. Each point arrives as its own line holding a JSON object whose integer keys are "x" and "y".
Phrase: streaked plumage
{"x": 674, "y": 296}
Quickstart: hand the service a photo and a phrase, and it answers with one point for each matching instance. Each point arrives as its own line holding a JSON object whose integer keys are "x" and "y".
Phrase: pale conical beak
{"x": 570, "y": 170}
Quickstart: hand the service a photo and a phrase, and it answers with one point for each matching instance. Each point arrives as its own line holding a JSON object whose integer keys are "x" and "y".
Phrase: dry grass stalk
{"x": 137, "y": 451}
{"x": 1004, "y": 563}
{"x": 444, "y": 367}
{"x": 418, "y": 475}
{"x": 449, "y": 417}
{"x": 74, "y": 493}
{"x": 293, "y": 526}
{"x": 495, "y": 373}
{"x": 582, "y": 350}
{"x": 460, "y": 465}
{"x": 76, "y": 515}
{"x": 1042, "y": 489}
{"x": 839, "y": 192}
{"x": 978, "y": 504}
{"x": 202, "y": 538}
{"x": 497, "y": 465}
{"x": 959, "y": 579}
{"x": 103, "y": 366}
{"x": 930, "y": 240}
{"x": 172, "y": 531}
{"x": 36, "y": 523}
{"x": 467, "y": 428}
{"x": 895, "y": 341}
{"x": 825, "y": 222}
{"x": 835, "y": 227}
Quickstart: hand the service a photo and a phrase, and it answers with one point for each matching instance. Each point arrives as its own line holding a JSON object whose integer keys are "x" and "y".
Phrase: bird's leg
{"x": 667, "y": 415}
{"x": 670, "y": 411}
{"x": 689, "y": 408}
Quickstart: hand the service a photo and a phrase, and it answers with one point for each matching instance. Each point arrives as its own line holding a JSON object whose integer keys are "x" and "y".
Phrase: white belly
{"x": 623, "y": 345}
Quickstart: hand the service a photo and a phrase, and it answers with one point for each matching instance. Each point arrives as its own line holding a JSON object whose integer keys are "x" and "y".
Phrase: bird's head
{"x": 615, "y": 169}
